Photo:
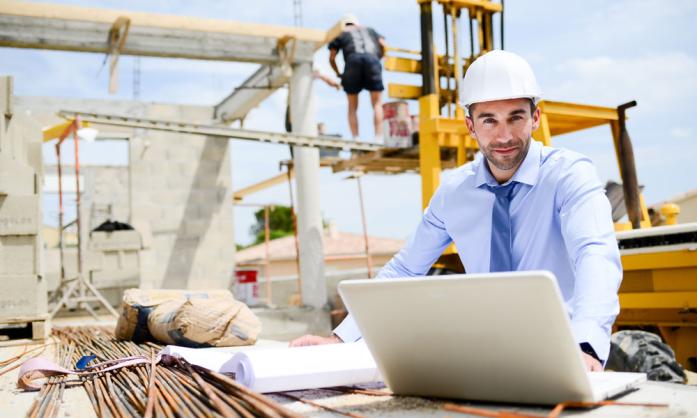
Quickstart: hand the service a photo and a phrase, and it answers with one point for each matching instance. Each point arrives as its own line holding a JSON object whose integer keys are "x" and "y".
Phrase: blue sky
{"x": 594, "y": 52}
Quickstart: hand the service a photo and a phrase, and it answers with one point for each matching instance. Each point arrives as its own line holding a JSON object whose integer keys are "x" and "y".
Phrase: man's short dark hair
{"x": 533, "y": 107}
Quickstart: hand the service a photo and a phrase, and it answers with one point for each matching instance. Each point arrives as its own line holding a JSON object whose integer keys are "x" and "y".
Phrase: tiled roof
{"x": 335, "y": 244}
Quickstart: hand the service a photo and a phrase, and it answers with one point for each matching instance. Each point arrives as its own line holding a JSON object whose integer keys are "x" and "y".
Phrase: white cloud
{"x": 680, "y": 132}
{"x": 658, "y": 81}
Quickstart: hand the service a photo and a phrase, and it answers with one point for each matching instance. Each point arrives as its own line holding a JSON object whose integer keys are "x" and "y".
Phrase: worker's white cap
{"x": 499, "y": 75}
{"x": 349, "y": 19}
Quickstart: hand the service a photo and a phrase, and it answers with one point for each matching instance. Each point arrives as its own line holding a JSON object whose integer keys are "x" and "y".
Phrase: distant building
{"x": 344, "y": 256}
{"x": 688, "y": 206}
{"x": 342, "y": 251}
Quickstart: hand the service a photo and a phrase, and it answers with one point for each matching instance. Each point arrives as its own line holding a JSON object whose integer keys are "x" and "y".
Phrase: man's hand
{"x": 592, "y": 365}
{"x": 314, "y": 340}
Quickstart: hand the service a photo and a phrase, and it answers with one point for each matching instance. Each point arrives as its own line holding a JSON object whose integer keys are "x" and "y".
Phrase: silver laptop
{"x": 500, "y": 337}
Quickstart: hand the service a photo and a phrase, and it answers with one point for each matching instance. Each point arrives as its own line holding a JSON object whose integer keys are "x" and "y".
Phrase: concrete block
{"x": 23, "y": 138}
{"x": 22, "y": 295}
{"x": 19, "y": 215}
{"x": 116, "y": 240}
{"x": 16, "y": 178}
{"x": 116, "y": 278}
{"x": 119, "y": 260}
{"x": 18, "y": 255}
{"x": 145, "y": 232}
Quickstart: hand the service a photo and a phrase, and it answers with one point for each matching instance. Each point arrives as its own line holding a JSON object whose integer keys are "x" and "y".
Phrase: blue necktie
{"x": 500, "y": 257}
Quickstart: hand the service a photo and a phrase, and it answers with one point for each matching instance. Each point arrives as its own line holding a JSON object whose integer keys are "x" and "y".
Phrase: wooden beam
{"x": 257, "y": 187}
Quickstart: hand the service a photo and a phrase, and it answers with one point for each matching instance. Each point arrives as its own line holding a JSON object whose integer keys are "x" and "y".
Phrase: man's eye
{"x": 489, "y": 121}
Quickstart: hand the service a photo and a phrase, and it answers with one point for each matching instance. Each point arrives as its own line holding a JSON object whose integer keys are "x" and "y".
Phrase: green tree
{"x": 280, "y": 223}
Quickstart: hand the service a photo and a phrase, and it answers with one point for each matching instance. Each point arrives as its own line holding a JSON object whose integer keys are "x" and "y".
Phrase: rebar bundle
{"x": 170, "y": 388}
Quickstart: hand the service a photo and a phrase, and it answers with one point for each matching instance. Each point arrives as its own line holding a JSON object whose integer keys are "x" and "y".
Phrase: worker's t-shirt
{"x": 357, "y": 40}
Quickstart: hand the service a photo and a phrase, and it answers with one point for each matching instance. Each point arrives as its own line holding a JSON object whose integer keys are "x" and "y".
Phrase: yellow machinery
{"x": 659, "y": 290}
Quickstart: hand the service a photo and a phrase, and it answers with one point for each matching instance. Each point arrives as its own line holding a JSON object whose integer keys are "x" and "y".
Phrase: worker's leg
{"x": 352, "y": 113}
{"x": 351, "y": 81}
{"x": 372, "y": 75}
{"x": 376, "y": 101}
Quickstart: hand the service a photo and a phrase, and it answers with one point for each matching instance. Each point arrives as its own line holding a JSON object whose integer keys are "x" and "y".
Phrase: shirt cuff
{"x": 589, "y": 331}
{"x": 348, "y": 330}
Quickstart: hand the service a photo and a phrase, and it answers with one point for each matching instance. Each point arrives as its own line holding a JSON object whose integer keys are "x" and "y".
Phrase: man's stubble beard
{"x": 506, "y": 163}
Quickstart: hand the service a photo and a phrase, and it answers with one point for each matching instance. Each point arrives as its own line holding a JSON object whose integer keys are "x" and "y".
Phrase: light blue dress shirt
{"x": 561, "y": 222}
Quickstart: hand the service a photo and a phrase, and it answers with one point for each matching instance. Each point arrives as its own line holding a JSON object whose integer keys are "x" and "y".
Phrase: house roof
{"x": 678, "y": 198}
{"x": 336, "y": 244}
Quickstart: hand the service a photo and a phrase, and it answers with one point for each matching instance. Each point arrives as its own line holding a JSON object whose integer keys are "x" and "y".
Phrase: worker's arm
{"x": 589, "y": 235}
{"x": 383, "y": 46}
{"x": 415, "y": 259}
{"x": 332, "y": 61}
{"x": 327, "y": 80}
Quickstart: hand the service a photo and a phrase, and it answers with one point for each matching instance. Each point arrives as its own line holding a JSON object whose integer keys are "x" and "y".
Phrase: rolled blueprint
{"x": 214, "y": 359}
{"x": 296, "y": 368}
{"x": 287, "y": 368}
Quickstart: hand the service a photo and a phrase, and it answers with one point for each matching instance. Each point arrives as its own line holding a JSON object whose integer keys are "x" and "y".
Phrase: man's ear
{"x": 470, "y": 126}
{"x": 536, "y": 119}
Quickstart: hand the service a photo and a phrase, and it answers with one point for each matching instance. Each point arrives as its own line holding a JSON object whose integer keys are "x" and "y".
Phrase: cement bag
{"x": 220, "y": 322}
{"x": 137, "y": 305}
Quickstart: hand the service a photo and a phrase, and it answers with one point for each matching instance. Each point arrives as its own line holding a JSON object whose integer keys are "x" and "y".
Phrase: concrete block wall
{"x": 180, "y": 189}
{"x": 106, "y": 194}
{"x": 23, "y": 286}
{"x": 181, "y": 185}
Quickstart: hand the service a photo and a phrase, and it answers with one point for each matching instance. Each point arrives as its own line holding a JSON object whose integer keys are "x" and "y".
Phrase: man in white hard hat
{"x": 519, "y": 206}
{"x": 363, "y": 48}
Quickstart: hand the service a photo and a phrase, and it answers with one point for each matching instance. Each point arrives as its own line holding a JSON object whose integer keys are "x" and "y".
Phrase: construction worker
{"x": 363, "y": 48}
{"x": 519, "y": 206}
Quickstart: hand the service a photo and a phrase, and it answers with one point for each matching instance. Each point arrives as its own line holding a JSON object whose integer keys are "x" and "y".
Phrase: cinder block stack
{"x": 114, "y": 262}
{"x": 22, "y": 287}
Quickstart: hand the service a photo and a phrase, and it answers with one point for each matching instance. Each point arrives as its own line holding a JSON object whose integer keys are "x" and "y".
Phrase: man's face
{"x": 503, "y": 128}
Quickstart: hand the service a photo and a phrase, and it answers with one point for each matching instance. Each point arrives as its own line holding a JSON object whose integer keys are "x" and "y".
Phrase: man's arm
{"x": 332, "y": 61}
{"x": 417, "y": 256}
{"x": 327, "y": 80}
{"x": 589, "y": 235}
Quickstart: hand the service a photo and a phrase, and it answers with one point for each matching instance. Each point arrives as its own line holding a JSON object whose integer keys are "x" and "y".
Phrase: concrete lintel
{"x": 254, "y": 90}
{"x": 87, "y": 36}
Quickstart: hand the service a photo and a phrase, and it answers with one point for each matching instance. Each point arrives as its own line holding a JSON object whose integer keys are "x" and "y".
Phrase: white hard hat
{"x": 499, "y": 75}
{"x": 349, "y": 19}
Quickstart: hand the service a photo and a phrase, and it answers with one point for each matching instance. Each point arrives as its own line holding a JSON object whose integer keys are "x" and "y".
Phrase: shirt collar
{"x": 526, "y": 173}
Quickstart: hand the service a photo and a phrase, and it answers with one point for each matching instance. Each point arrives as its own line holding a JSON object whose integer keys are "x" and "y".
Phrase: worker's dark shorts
{"x": 362, "y": 71}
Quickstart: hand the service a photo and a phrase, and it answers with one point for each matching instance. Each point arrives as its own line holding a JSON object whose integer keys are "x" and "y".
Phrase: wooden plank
{"x": 265, "y": 184}
{"x": 37, "y": 327}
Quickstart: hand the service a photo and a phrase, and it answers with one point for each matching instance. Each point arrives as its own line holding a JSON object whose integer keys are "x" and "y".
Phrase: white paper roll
{"x": 210, "y": 358}
{"x": 284, "y": 369}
